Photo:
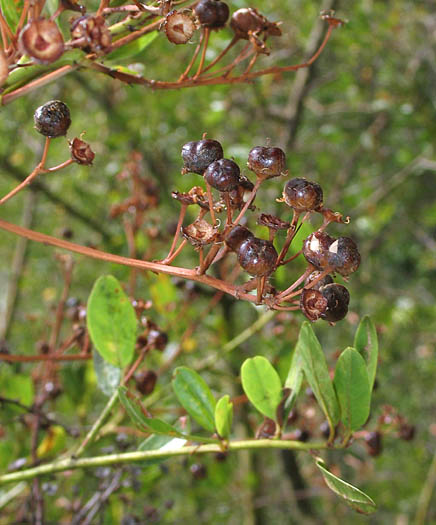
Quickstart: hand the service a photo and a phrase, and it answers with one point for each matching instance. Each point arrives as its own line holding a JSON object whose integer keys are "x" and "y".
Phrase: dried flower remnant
{"x": 81, "y": 152}
{"x": 91, "y": 34}
{"x": 313, "y": 304}
{"x": 200, "y": 233}
{"x": 42, "y": 40}
{"x": 179, "y": 27}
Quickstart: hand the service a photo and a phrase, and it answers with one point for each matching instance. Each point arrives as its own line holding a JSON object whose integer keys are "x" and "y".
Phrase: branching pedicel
{"x": 34, "y": 52}
{"x": 314, "y": 292}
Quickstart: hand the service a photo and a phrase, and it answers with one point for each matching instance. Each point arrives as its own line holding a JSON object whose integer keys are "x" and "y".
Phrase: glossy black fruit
{"x": 344, "y": 256}
{"x": 267, "y": 162}
{"x": 197, "y": 155}
{"x": 212, "y": 13}
{"x": 257, "y": 256}
{"x": 338, "y": 298}
{"x": 316, "y": 249}
{"x": 303, "y": 195}
{"x": 52, "y": 119}
{"x": 237, "y": 236}
{"x": 223, "y": 175}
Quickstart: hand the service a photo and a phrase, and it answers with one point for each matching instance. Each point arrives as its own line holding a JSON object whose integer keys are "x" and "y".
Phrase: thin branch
{"x": 135, "y": 457}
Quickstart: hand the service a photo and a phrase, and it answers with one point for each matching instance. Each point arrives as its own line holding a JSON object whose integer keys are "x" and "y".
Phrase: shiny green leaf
{"x": 195, "y": 396}
{"x": 315, "y": 369}
{"x": 224, "y": 416}
{"x": 262, "y": 385}
{"x": 366, "y": 343}
{"x": 354, "y": 497}
{"x": 352, "y": 388}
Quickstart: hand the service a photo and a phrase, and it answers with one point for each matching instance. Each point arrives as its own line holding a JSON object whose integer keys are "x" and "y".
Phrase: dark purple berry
{"x": 327, "y": 279}
{"x": 406, "y": 432}
{"x": 145, "y": 382}
{"x": 257, "y": 256}
{"x": 303, "y": 195}
{"x": 344, "y": 256}
{"x": 247, "y": 21}
{"x": 237, "y": 236}
{"x": 267, "y": 162}
{"x": 198, "y": 471}
{"x": 223, "y": 175}
{"x": 212, "y": 13}
{"x": 52, "y": 119}
{"x": 324, "y": 428}
{"x": 316, "y": 249}
{"x": 337, "y": 298}
{"x": 374, "y": 443}
{"x": 302, "y": 435}
{"x": 197, "y": 155}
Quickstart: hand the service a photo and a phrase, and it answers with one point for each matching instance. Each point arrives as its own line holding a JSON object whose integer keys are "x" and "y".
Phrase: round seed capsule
{"x": 223, "y": 175}
{"x": 52, "y": 119}
{"x": 303, "y": 195}
{"x": 197, "y": 155}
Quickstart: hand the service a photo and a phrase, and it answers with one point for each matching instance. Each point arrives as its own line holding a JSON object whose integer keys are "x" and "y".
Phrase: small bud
{"x": 374, "y": 443}
{"x": 179, "y": 27}
{"x": 42, "y": 40}
{"x": 81, "y": 152}
{"x": 198, "y": 471}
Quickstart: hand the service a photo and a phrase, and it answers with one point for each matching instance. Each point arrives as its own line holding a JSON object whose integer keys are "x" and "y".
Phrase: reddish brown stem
{"x": 203, "y": 53}
{"x": 39, "y": 168}
{"x": 210, "y": 199}
{"x": 43, "y": 357}
{"x": 177, "y": 233}
{"x": 289, "y": 237}
{"x": 249, "y": 201}
{"x": 222, "y": 54}
{"x": 192, "y": 61}
{"x": 135, "y": 365}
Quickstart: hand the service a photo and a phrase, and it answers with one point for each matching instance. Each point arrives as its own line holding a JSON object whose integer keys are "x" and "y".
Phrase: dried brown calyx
{"x": 196, "y": 195}
{"x": 313, "y": 304}
{"x": 200, "y": 233}
{"x": 91, "y": 34}
{"x": 272, "y": 222}
{"x": 239, "y": 196}
{"x": 81, "y": 152}
{"x": 42, "y": 40}
{"x": 179, "y": 26}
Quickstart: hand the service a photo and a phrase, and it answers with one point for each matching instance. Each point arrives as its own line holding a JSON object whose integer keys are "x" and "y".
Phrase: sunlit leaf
{"x": 224, "y": 416}
{"x": 111, "y": 321}
{"x": 354, "y": 497}
{"x": 108, "y": 376}
{"x": 366, "y": 343}
{"x": 352, "y": 388}
{"x": 195, "y": 396}
{"x": 262, "y": 385}
{"x": 317, "y": 374}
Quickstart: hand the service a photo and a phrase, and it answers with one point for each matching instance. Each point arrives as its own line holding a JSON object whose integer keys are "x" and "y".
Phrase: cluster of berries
{"x": 320, "y": 296}
{"x": 246, "y": 23}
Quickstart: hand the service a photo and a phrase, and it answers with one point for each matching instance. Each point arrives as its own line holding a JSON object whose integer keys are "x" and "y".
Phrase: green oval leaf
{"x": 366, "y": 343}
{"x": 108, "y": 376}
{"x": 224, "y": 416}
{"x": 352, "y": 387}
{"x": 354, "y": 497}
{"x": 149, "y": 424}
{"x": 195, "y": 396}
{"x": 317, "y": 374}
{"x": 262, "y": 385}
{"x": 111, "y": 321}
{"x": 293, "y": 382}
{"x": 132, "y": 48}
